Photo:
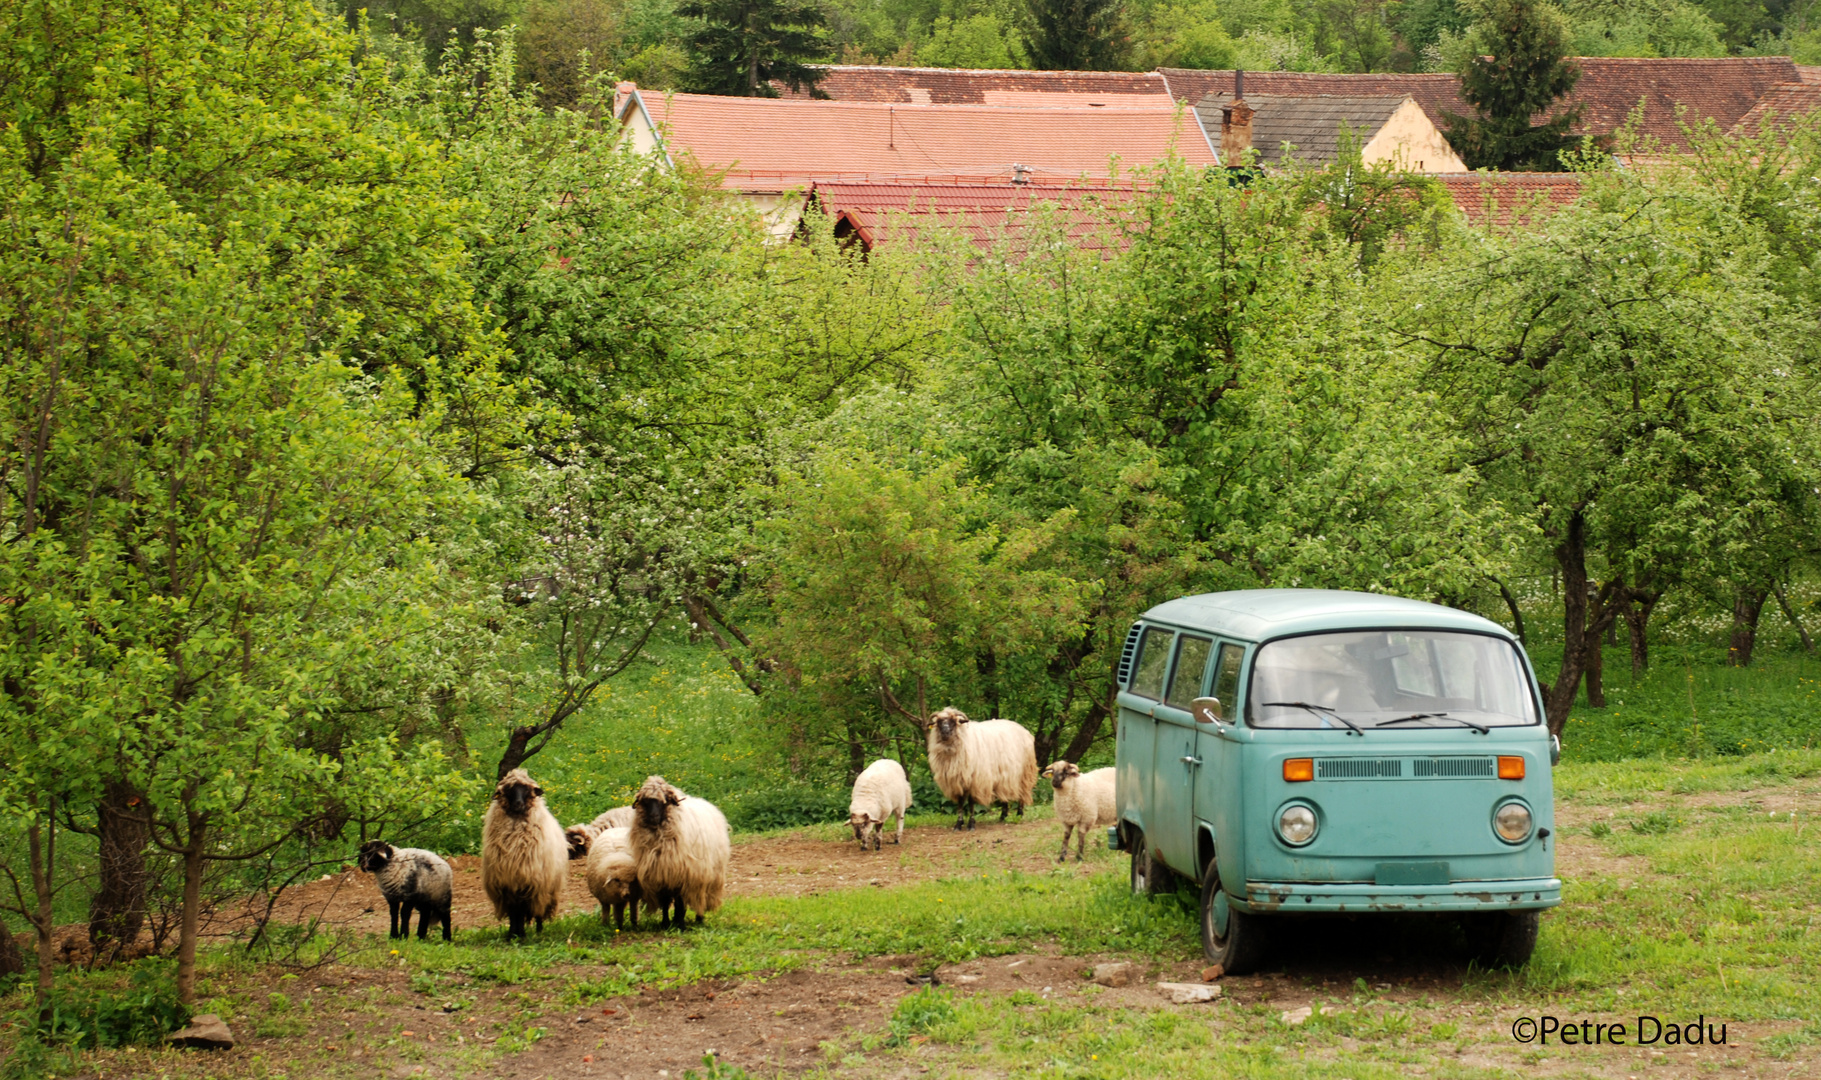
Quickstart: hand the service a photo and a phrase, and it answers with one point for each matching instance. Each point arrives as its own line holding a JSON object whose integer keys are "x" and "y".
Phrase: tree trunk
{"x": 117, "y": 910}
{"x": 192, "y": 912}
{"x": 1747, "y": 605}
{"x": 856, "y": 753}
{"x": 514, "y": 755}
{"x": 43, "y": 852}
{"x": 1517, "y": 613}
{"x": 1599, "y": 619}
{"x": 1638, "y": 606}
{"x": 1808, "y": 644}
{"x": 1571, "y": 560}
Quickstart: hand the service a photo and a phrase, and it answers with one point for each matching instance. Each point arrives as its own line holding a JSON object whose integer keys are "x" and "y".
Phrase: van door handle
{"x": 1191, "y": 761}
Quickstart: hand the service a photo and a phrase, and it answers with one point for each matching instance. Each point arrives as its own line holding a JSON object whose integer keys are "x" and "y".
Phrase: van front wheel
{"x": 1229, "y": 937}
{"x": 1150, "y": 877}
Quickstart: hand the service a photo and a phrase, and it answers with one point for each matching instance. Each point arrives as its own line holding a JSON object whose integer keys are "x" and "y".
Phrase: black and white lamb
{"x": 411, "y": 879}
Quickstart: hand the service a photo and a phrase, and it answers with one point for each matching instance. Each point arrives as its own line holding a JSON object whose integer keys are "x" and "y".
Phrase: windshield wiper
{"x": 1434, "y": 716}
{"x": 1318, "y": 710}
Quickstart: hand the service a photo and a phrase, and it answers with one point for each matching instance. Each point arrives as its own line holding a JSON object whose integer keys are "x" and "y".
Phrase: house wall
{"x": 1412, "y": 141}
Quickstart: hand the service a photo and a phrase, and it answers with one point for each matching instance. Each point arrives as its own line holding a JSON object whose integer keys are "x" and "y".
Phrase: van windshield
{"x": 1399, "y": 679}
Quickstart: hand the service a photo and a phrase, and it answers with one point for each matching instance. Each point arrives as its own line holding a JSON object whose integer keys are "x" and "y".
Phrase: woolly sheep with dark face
{"x": 682, "y": 848}
{"x": 524, "y": 855}
{"x": 582, "y": 835}
{"x": 411, "y": 879}
{"x": 990, "y": 762}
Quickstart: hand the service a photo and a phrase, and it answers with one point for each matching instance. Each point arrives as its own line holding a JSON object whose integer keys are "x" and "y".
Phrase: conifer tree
{"x": 747, "y": 44}
{"x": 1076, "y": 35}
{"x": 1518, "y": 72}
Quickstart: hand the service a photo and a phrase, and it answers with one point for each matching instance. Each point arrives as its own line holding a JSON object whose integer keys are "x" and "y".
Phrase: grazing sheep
{"x": 682, "y": 848}
{"x": 990, "y": 762}
{"x": 880, "y": 792}
{"x": 411, "y": 879}
{"x": 581, "y": 835}
{"x": 613, "y": 876}
{"x": 524, "y": 857}
{"x": 1083, "y": 801}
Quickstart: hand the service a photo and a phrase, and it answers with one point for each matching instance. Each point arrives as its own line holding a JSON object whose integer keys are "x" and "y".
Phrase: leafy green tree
{"x": 744, "y": 46}
{"x": 977, "y": 41}
{"x": 1076, "y": 35}
{"x": 1356, "y": 33}
{"x": 1625, "y": 377}
{"x": 228, "y": 428}
{"x": 1517, "y": 72}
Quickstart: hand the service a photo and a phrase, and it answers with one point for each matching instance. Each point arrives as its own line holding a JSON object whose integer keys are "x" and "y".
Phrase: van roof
{"x": 1257, "y": 614}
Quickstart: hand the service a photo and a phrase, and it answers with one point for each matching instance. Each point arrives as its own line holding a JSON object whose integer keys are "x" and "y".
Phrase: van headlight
{"x": 1512, "y": 822}
{"x": 1296, "y": 824}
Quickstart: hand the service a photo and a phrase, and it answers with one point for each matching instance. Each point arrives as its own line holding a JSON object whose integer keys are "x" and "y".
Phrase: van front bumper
{"x": 1280, "y": 897}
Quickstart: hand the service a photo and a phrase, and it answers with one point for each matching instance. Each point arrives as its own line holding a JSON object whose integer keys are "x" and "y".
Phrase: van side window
{"x": 1226, "y": 679}
{"x": 1153, "y": 660}
{"x": 1191, "y": 666}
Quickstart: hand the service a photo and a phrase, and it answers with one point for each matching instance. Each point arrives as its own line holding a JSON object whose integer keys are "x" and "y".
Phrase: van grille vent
{"x": 1453, "y": 768}
{"x": 1357, "y": 768}
{"x": 1126, "y": 657}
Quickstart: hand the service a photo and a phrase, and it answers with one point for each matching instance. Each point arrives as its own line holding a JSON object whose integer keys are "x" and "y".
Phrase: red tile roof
{"x": 882, "y": 215}
{"x": 769, "y": 144}
{"x": 1499, "y": 200}
{"x": 1784, "y": 103}
{"x": 952, "y": 86}
{"x": 1810, "y": 73}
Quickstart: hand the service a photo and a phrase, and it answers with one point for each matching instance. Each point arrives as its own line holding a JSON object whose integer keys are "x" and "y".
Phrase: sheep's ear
{"x": 673, "y": 796}
{"x": 536, "y": 792}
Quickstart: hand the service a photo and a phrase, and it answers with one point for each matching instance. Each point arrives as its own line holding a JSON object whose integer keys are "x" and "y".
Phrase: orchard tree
{"x": 236, "y": 327}
{"x": 1623, "y": 374}
{"x": 1517, "y": 71}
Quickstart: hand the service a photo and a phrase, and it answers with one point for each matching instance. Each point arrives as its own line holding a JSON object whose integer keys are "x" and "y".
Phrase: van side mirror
{"x": 1555, "y": 749}
{"x": 1207, "y": 710}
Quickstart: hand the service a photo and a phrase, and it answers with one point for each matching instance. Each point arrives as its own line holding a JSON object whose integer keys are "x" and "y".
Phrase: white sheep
{"x": 411, "y": 878}
{"x": 880, "y": 792}
{"x": 990, "y": 762}
{"x": 1083, "y": 801}
{"x": 613, "y": 876}
{"x": 524, "y": 856}
{"x": 682, "y": 848}
{"x": 582, "y": 834}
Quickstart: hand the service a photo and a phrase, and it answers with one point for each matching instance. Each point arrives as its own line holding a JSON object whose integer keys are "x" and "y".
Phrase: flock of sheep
{"x": 669, "y": 851}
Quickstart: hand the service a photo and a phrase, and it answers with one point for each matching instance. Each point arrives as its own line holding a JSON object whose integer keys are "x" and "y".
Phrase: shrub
{"x": 784, "y": 807}
{"x": 918, "y": 1013}
{"x": 94, "y": 1010}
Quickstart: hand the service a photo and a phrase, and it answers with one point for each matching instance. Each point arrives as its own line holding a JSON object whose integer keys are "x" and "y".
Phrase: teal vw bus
{"x": 1298, "y": 751}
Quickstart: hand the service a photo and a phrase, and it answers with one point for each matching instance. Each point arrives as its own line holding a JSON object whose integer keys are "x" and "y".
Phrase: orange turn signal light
{"x": 1511, "y": 768}
{"x": 1299, "y": 768}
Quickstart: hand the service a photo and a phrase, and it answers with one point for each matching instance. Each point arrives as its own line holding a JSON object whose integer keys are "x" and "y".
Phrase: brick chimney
{"x": 621, "y": 91}
{"x": 1236, "y": 124}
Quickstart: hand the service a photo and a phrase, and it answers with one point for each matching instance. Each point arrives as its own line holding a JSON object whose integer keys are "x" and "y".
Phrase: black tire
{"x": 1502, "y": 939}
{"x": 1150, "y": 877}
{"x": 1244, "y": 946}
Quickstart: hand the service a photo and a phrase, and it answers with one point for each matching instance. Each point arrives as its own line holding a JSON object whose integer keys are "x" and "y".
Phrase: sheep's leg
{"x": 540, "y": 923}
{"x": 970, "y": 815}
{"x": 423, "y": 924}
{"x": 392, "y": 910}
{"x": 517, "y": 927}
{"x": 1066, "y": 830}
{"x": 899, "y": 839}
{"x": 1005, "y": 809}
{"x": 448, "y": 922}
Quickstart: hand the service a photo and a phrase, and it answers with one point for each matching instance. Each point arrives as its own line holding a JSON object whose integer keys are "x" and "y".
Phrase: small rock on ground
{"x": 206, "y": 1032}
{"x": 1295, "y": 1017}
{"x": 1188, "y": 993}
{"x": 1212, "y": 972}
{"x": 1115, "y": 974}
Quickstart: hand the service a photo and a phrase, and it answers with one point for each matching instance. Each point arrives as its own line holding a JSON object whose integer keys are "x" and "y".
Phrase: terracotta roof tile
{"x": 1808, "y": 73}
{"x": 1310, "y": 124}
{"x": 1500, "y": 200}
{"x": 1435, "y": 93}
{"x": 1784, "y": 103}
{"x": 776, "y": 145}
{"x": 885, "y": 215}
{"x": 954, "y": 86}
